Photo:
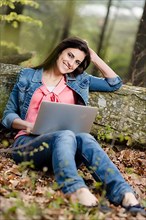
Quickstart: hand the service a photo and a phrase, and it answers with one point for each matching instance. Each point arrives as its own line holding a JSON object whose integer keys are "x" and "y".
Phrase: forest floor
{"x": 26, "y": 194}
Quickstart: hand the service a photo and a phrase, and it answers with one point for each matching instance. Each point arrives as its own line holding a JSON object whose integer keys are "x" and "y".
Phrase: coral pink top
{"x": 60, "y": 93}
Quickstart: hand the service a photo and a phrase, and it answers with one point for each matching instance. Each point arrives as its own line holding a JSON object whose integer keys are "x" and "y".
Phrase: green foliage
{"x": 13, "y": 194}
{"x": 129, "y": 140}
{"x": 8, "y": 48}
{"x": 77, "y": 209}
{"x": 98, "y": 185}
{"x": 129, "y": 170}
{"x": 108, "y": 134}
{"x": 5, "y": 143}
{"x": 31, "y": 211}
{"x": 10, "y": 212}
{"x": 52, "y": 15}
{"x": 105, "y": 134}
{"x": 143, "y": 202}
{"x": 11, "y": 3}
{"x": 15, "y": 18}
{"x": 56, "y": 203}
{"x": 4, "y": 98}
{"x": 34, "y": 150}
{"x": 12, "y": 21}
{"x": 26, "y": 164}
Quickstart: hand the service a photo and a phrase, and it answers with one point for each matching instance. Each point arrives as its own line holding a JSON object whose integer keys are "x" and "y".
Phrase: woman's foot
{"x": 129, "y": 200}
{"x": 131, "y": 204}
{"x": 84, "y": 197}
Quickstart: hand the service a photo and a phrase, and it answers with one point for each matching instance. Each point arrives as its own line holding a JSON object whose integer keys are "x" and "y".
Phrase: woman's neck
{"x": 53, "y": 72}
{"x": 51, "y": 77}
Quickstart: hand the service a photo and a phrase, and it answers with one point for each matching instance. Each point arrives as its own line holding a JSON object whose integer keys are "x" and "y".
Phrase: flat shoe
{"x": 89, "y": 206}
{"x": 135, "y": 209}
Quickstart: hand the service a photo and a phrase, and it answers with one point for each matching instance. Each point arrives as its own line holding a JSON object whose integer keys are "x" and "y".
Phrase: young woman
{"x": 62, "y": 78}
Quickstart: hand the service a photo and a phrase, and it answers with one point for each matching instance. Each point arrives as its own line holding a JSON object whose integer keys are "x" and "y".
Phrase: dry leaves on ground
{"x": 26, "y": 194}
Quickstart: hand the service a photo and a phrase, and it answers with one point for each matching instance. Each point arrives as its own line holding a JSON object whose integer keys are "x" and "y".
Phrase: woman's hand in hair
{"x": 106, "y": 71}
{"x": 93, "y": 55}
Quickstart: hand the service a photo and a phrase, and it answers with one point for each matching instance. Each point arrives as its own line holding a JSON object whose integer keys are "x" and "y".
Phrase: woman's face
{"x": 69, "y": 60}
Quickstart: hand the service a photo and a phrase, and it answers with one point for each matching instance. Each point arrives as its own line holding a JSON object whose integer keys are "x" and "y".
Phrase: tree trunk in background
{"x": 111, "y": 29}
{"x": 137, "y": 69}
{"x": 15, "y": 58}
{"x": 69, "y": 12}
{"x": 11, "y": 34}
{"x": 102, "y": 35}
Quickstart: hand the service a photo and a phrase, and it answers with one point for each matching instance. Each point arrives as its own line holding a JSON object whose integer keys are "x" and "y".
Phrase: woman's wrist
{"x": 18, "y": 123}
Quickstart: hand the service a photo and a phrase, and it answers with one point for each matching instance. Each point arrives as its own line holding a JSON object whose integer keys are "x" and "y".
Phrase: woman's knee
{"x": 87, "y": 141}
{"x": 66, "y": 135}
{"x": 65, "y": 141}
{"x": 85, "y": 137}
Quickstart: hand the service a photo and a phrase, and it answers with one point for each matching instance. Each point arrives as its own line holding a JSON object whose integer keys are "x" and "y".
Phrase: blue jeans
{"x": 64, "y": 152}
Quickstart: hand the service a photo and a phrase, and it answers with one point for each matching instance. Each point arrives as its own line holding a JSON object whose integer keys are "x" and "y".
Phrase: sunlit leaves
{"x": 11, "y": 3}
{"x": 14, "y": 18}
{"x": 9, "y": 45}
{"x": 29, "y": 2}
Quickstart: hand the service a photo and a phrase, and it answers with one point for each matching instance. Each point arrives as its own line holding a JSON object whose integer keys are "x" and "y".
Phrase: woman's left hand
{"x": 93, "y": 55}
{"x": 101, "y": 65}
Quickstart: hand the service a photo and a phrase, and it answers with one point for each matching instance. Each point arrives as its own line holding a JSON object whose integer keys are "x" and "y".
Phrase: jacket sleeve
{"x": 104, "y": 84}
{"x": 11, "y": 111}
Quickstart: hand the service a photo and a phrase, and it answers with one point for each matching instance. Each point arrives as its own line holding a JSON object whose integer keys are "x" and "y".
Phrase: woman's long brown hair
{"x": 71, "y": 42}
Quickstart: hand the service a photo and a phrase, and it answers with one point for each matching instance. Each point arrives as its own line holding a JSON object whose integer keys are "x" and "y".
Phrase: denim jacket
{"x": 30, "y": 79}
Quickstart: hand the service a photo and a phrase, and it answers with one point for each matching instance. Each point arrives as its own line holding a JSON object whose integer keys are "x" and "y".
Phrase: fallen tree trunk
{"x": 121, "y": 115}
{"x": 15, "y": 59}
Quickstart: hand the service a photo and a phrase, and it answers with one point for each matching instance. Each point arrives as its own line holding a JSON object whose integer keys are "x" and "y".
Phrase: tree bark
{"x": 111, "y": 29}
{"x": 69, "y": 12}
{"x": 121, "y": 115}
{"x": 102, "y": 35}
{"x": 15, "y": 59}
{"x": 137, "y": 69}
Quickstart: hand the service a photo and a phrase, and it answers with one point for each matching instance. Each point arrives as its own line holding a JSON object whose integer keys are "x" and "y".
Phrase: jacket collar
{"x": 70, "y": 78}
{"x": 37, "y": 76}
{"x": 79, "y": 77}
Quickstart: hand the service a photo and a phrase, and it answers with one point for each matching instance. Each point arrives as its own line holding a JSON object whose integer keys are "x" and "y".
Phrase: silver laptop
{"x": 54, "y": 116}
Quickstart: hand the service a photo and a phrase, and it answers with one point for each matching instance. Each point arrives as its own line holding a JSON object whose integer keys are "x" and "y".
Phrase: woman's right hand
{"x": 20, "y": 124}
{"x": 29, "y": 127}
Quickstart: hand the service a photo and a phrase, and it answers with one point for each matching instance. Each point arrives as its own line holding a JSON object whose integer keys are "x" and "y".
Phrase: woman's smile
{"x": 66, "y": 65}
{"x": 69, "y": 60}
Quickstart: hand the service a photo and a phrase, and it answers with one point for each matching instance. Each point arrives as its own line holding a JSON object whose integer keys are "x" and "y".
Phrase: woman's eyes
{"x": 78, "y": 63}
{"x": 72, "y": 56}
